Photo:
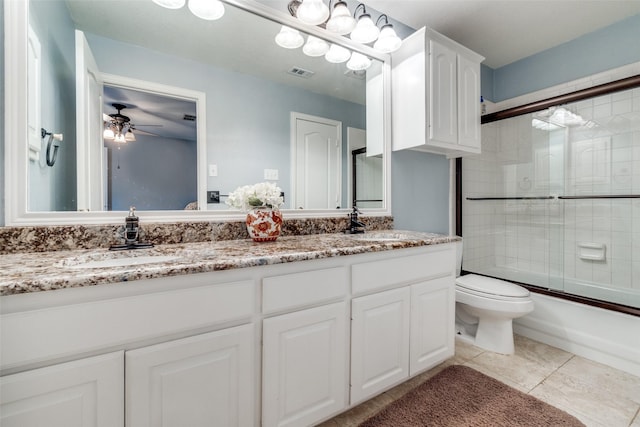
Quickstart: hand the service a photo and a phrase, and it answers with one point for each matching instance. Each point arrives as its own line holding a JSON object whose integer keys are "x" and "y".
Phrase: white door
{"x": 316, "y": 162}
{"x": 89, "y": 127}
{"x": 204, "y": 380}
{"x": 305, "y": 366}
{"x": 443, "y": 117}
{"x": 379, "y": 342}
{"x": 468, "y": 102}
{"x": 432, "y": 323}
{"x": 83, "y": 393}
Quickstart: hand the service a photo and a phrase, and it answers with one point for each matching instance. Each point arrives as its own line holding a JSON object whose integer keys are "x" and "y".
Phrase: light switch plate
{"x": 213, "y": 170}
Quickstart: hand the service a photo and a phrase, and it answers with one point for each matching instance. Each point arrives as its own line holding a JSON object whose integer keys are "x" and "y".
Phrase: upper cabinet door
{"x": 435, "y": 95}
{"x": 468, "y": 102}
{"x": 82, "y": 393}
{"x": 443, "y": 98}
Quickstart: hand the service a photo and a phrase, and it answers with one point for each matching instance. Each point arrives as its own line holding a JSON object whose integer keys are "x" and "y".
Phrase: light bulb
{"x": 207, "y": 9}
{"x": 341, "y": 21}
{"x": 312, "y": 12}
{"x": 315, "y": 46}
{"x": 289, "y": 38}
{"x": 337, "y": 54}
{"x": 170, "y": 4}
{"x": 108, "y": 134}
{"x": 365, "y": 31}
{"x": 358, "y": 62}
{"x": 120, "y": 139}
{"x": 130, "y": 136}
{"x": 388, "y": 41}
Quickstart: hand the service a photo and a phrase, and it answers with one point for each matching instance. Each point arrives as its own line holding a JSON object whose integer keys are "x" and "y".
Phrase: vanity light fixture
{"x": 341, "y": 21}
{"x": 365, "y": 31}
{"x": 289, "y": 38}
{"x": 209, "y": 10}
{"x": 315, "y": 46}
{"x": 358, "y": 62}
{"x": 313, "y": 12}
{"x": 337, "y": 54}
{"x": 388, "y": 41}
{"x": 203, "y": 9}
{"x": 170, "y": 4}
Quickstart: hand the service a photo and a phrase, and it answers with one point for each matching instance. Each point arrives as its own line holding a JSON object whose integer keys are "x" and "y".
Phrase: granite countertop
{"x": 44, "y": 271}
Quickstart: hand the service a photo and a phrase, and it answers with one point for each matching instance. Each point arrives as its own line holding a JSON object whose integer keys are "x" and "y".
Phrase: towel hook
{"x": 51, "y": 159}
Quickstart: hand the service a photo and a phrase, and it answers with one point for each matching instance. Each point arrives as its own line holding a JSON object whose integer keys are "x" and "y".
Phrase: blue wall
{"x": 420, "y": 191}
{"x": 600, "y": 50}
{"x": 153, "y": 173}
{"x": 54, "y": 188}
{"x": 2, "y": 178}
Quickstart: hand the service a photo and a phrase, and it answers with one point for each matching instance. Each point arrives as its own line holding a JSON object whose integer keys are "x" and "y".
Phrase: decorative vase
{"x": 264, "y": 224}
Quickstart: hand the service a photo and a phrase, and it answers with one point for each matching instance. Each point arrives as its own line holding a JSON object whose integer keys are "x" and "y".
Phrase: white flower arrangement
{"x": 264, "y": 194}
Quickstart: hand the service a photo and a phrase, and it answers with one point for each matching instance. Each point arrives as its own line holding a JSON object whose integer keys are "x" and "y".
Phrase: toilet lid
{"x": 491, "y": 286}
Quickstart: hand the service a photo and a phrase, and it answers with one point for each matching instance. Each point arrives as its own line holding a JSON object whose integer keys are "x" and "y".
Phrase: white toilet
{"x": 485, "y": 309}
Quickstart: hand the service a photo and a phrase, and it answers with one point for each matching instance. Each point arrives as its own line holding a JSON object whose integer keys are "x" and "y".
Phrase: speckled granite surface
{"x": 44, "y": 271}
{"x": 64, "y": 238}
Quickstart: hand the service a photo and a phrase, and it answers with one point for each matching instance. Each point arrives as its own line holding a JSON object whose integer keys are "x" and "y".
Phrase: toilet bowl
{"x": 485, "y": 309}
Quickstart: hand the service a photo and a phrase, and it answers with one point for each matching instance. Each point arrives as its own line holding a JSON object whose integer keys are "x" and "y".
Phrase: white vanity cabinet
{"x": 188, "y": 344}
{"x": 204, "y": 380}
{"x": 436, "y": 95}
{"x": 83, "y": 393}
{"x": 289, "y": 344}
{"x": 305, "y": 352}
{"x": 405, "y": 330}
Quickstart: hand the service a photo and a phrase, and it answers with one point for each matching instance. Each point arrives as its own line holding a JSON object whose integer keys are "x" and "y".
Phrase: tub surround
{"x": 63, "y": 238}
{"x": 36, "y": 271}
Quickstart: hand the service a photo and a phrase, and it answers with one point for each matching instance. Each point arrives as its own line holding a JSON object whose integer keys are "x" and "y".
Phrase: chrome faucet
{"x": 355, "y": 226}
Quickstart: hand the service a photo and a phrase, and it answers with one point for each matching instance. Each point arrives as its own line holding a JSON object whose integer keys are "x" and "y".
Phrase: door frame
{"x": 200, "y": 98}
{"x": 295, "y": 116}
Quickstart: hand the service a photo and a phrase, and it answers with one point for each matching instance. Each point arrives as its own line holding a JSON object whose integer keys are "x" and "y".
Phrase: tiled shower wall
{"x": 551, "y": 242}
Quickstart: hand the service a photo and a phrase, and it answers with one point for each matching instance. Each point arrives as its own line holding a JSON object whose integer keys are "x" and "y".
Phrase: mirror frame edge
{"x": 16, "y": 15}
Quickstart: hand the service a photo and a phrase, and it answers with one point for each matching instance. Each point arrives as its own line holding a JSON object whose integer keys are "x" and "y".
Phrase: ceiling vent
{"x": 300, "y": 72}
{"x": 189, "y": 117}
{"x": 359, "y": 74}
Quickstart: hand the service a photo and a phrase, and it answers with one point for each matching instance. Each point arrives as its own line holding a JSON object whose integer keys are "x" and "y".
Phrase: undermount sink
{"x": 122, "y": 260}
{"x": 382, "y": 236}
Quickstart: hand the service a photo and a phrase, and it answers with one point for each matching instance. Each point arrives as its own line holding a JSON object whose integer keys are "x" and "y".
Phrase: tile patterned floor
{"x": 596, "y": 394}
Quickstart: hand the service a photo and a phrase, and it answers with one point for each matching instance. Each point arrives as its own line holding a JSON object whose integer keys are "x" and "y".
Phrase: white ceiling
{"x": 504, "y": 31}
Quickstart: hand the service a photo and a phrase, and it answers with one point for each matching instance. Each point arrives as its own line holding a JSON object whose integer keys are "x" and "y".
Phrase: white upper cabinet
{"x": 436, "y": 95}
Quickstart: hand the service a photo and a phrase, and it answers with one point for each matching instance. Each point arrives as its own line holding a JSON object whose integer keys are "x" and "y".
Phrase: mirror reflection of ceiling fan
{"x": 118, "y": 127}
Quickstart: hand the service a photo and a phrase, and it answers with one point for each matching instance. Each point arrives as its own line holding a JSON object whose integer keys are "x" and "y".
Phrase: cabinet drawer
{"x": 303, "y": 289}
{"x": 39, "y": 335}
{"x": 384, "y": 274}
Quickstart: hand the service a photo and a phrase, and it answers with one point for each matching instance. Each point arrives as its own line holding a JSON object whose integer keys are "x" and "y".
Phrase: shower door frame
{"x": 603, "y": 89}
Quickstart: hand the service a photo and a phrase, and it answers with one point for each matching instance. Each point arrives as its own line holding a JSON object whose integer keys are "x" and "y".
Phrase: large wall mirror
{"x": 202, "y": 106}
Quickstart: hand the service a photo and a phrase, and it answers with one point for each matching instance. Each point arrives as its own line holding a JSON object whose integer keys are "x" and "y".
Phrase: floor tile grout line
{"x": 551, "y": 373}
{"x": 636, "y": 416}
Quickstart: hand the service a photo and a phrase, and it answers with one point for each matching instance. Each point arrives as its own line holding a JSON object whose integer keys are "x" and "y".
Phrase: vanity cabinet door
{"x": 83, "y": 393}
{"x": 204, "y": 380}
{"x": 379, "y": 342}
{"x": 305, "y": 368}
{"x": 432, "y": 323}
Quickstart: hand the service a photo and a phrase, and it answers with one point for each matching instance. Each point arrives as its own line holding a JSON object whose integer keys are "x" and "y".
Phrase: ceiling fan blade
{"x": 143, "y": 132}
{"x": 136, "y": 125}
{"x": 106, "y": 117}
